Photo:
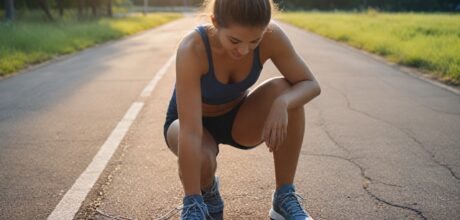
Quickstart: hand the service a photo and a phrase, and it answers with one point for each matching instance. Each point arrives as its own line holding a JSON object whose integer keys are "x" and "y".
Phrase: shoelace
{"x": 292, "y": 201}
{"x": 213, "y": 203}
{"x": 170, "y": 214}
{"x": 188, "y": 208}
{"x": 167, "y": 216}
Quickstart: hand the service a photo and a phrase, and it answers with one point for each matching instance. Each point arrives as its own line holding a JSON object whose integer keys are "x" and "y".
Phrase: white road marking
{"x": 148, "y": 90}
{"x": 73, "y": 199}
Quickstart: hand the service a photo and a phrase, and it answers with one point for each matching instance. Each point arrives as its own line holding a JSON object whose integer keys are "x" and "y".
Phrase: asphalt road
{"x": 379, "y": 143}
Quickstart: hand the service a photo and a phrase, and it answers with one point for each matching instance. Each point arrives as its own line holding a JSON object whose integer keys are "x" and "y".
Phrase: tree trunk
{"x": 60, "y": 5}
{"x": 80, "y": 3}
{"x": 9, "y": 10}
{"x": 146, "y": 3}
{"x": 44, "y": 5}
{"x": 109, "y": 8}
{"x": 94, "y": 4}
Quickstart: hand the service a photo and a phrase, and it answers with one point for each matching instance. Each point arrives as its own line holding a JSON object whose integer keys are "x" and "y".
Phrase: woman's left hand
{"x": 275, "y": 129}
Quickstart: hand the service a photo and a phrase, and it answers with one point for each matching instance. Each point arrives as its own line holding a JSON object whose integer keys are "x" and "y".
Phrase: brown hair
{"x": 253, "y": 13}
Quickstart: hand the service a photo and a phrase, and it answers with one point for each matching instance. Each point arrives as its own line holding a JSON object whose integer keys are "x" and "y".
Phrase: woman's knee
{"x": 278, "y": 84}
{"x": 172, "y": 137}
{"x": 208, "y": 159}
{"x": 208, "y": 165}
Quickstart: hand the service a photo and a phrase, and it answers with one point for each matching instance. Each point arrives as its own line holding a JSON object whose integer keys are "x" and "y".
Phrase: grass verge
{"x": 430, "y": 42}
{"x": 26, "y": 42}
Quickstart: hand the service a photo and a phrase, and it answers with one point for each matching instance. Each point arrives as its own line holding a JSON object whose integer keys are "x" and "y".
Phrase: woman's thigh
{"x": 249, "y": 122}
{"x": 208, "y": 142}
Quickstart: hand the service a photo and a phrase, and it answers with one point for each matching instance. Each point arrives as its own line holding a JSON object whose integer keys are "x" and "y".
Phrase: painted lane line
{"x": 72, "y": 200}
{"x": 148, "y": 90}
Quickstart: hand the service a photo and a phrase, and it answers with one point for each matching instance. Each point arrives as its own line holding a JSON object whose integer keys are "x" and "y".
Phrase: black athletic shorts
{"x": 220, "y": 127}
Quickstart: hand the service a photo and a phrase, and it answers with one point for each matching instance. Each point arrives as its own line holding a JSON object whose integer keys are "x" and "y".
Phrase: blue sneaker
{"x": 287, "y": 205}
{"x": 214, "y": 201}
{"x": 194, "y": 208}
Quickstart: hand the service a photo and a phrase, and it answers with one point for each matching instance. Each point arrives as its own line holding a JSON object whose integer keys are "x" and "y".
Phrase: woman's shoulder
{"x": 274, "y": 36}
{"x": 192, "y": 43}
{"x": 192, "y": 49}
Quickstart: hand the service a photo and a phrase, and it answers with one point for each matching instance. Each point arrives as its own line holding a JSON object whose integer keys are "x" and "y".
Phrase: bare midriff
{"x": 217, "y": 110}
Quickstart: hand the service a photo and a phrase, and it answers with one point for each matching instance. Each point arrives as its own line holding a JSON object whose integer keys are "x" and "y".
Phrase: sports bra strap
{"x": 204, "y": 36}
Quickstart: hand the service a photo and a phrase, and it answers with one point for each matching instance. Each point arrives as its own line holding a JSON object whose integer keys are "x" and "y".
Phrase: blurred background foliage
{"x": 36, "y": 30}
{"x": 381, "y": 5}
{"x": 106, "y": 7}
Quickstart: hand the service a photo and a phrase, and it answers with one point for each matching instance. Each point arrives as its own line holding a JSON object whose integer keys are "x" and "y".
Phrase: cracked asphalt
{"x": 379, "y": 143}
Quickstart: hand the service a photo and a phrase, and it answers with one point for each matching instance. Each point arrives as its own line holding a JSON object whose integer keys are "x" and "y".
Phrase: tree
{"x": 385, "y": 5}
{"x": 97, "y": 7}
{"x": 9, "y": 10}
{"x": 80, "y": 5}
{"x": 60, "y": 5}
{"x": 94, "y": 4}
{"x": 44, "y": 6}
{"x": 109, "y": 8}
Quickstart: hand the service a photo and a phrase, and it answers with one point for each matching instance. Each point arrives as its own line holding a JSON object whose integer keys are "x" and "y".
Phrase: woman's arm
{"x": 188, "y": 94}
{"x": 293, "y": 68}
{"x": 304, "y": 86}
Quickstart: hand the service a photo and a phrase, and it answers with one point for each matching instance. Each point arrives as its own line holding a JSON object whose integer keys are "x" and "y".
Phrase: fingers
{"x": 280, "y": 136}
{"x": 266, "y": 136}
{"x": 270, "y": 138}
{"x": 275, "y": 136}
{"x": 285, "y": 132}
{"x": 275, "y": 132}
{"x": 270, "y": 141}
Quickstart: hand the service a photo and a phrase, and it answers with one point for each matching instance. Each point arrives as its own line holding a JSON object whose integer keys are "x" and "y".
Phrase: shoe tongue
{"x": 191, "y": 198}
{"x": 285, "y": 189}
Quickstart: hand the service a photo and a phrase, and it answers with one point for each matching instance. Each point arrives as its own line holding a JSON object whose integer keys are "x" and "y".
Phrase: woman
{"x": 211, "y": 105}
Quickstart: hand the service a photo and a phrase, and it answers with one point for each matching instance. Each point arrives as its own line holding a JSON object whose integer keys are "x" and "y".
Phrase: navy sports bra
{"x": 214, "y": 92}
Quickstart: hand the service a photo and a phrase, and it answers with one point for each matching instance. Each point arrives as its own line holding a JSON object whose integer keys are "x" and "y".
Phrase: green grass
{"x": 26, "y": 41}
{"x": 430, "y": 42}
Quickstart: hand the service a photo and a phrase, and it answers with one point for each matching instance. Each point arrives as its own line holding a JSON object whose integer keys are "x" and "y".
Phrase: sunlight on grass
{"x": 427, "y": 41}
{"x": 27, "y": 42}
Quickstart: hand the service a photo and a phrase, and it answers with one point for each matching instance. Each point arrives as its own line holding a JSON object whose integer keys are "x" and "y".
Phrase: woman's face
{"x": 239, "y": 40}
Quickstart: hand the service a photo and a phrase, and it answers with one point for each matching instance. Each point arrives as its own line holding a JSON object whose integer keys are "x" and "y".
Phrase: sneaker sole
{"x": 217, "y": 216}
{"x": 276, "y": 216}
